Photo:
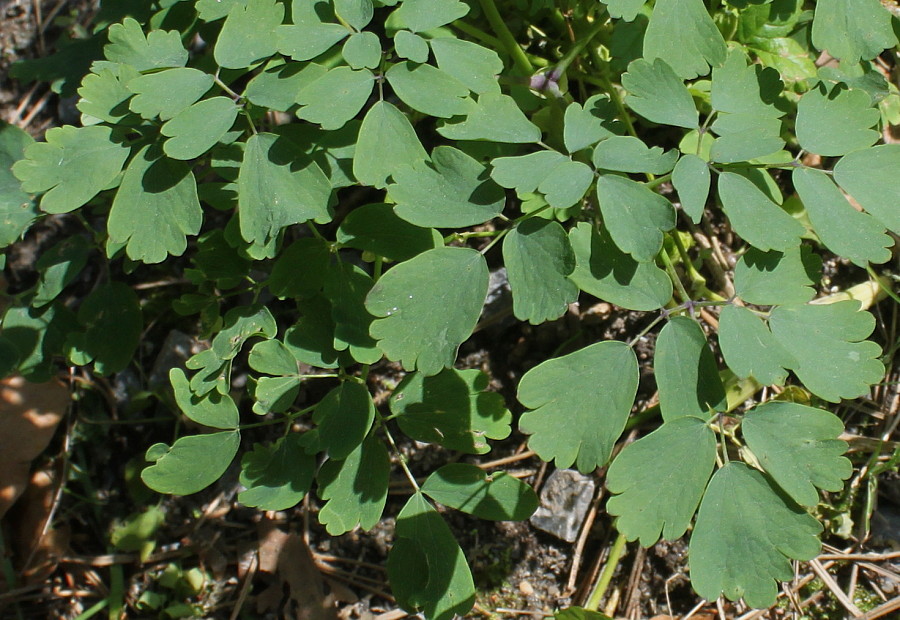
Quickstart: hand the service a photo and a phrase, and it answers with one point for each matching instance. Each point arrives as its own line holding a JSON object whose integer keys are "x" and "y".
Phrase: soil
{"x": 519, "y": 570}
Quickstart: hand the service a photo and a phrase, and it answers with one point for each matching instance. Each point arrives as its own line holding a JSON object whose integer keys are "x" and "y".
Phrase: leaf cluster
{"x": 234, "y": 164}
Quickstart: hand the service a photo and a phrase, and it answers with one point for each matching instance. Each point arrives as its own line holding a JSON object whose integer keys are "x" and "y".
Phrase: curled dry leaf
{"x": 36, "y": 547}
{"x": 29, "y": 414}
{"x": 288, "y": 557}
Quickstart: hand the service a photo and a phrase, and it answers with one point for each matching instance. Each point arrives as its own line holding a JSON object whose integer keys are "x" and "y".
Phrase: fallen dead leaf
{"x": 288, "y": 558}
{"x": 36, "y": 546}
{"x": 29, "y": 415}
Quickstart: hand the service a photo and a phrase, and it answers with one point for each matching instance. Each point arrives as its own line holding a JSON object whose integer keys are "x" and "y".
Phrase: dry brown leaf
{"x": 36, "y": 547}
{"x": 29, "y": 415}
{"x": 287, "y": 556}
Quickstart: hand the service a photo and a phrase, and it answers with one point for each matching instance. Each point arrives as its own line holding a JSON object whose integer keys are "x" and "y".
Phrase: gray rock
{"x": 174, "y": 352}
{"x": 565, "y": 500}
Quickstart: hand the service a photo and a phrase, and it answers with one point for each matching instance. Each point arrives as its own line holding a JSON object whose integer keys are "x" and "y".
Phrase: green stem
{"x": 673, "y": 275}
{"x": 579, "y": 46}
{"x": 657, "y": 181}
{"x": 494, "y": 241}
{"x": 226, "y": 88}
{"x": 615, "y": 554}
{"x": 698, "y": 282}
{"x": 477, "y": 34}
{"x": 520, "y": 60}
{"x": 470, "y": 235}
{"x": 400, "y": 458}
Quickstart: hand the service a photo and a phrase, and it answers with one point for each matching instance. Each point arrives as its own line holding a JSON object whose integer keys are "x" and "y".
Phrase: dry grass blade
{"x": 832, "y": 585}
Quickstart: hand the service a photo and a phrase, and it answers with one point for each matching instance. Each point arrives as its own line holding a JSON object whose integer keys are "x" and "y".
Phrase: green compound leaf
{"x": 746, "y": 533}
{"x": 799, "y": 447}
{"x": 166, "y": 93}
{"x": 336, "y": 97}
{"x": 866, "y": 175}
{"x": 496, "y": 118}
{"x": 240, "y": 324}
{"x": 17, "y": 210}
{"x": 387, "y": 141}
{"x": 428, "y": 89}
{"x": 683, "y": 33}
{"x": 750, "y": 349}
{"x": 833, "y": 359}
{"x": 377, "y": 229}
{"x": 691, "y": 179}
{"x": 625, "y": 9}
{"x": 276, "y": 477}
{"x": 745, "y": 136}
{"x": 847, "y": 232}
{"x": 72, "y": 166}
{"x": 422, "y": 15}
{"x": 309, "y": 257}
{"x": 59, "y": 266}
{"x": 741, "y": 89}
{"x": 332, "y": 150}
{"x": 659, "y": 95}
{"x": 848, "y": 115}
{"x": 524, "y": 173}
{"x": 604, "y": 271}
{"x": 686, "y": 373}
{"x": 198, "y": 128}
{"x": 111, "y": 320}
{"x": 158, "y": 50}
{"x": 247, "y": 35}
{"x": 278, "y": 188}
{"x": 538, "y": 259}
{"x": 155, "y": 208}
{"x": 363, "y": 50}
{"x": 37, "y": 335}
{"x": 355, "y": 489}
{"x": 852, "y": 30}
{"x": 451, "y": 191}
{"x": 452, "y": 409}
{"x": 311, "y": 339}
{"x": 275, "y": 394}
{"x": 279, "y": 83}
{"x": 213, "y": 410}
{"x": 475, "y": 66}
{"x": 579, "y": 404}
{"x": 584, "y": 126}
{"x": 775, "y": 278}
{"x": 659, "y": 479}
{"x": 104, "y": 97}
{"x": 470, "y": 489}
{"x": 191, "y": 464}
{"x": 635, "y": 216}
{"x": 566, "y": 183}
{"x": 309, "y": 37}
{"x": 413, "y": 298}
{"x": 426, "y": 567}
{"x": 272, "y": 358}
{"x": 754, "y": 216}
{"x": 344, "y": 418}
{"x": 211, "y": 10}
{"x": 213, "y": 373}
{"x": 411, "y": 46}
{"x": 346, "y": 287}
{"x": 628, "y": 154}
{"x": 357, "y": 13}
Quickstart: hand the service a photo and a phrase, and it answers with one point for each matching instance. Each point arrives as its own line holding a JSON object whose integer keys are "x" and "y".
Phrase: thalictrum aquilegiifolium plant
{"x": 222, "y": 138}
